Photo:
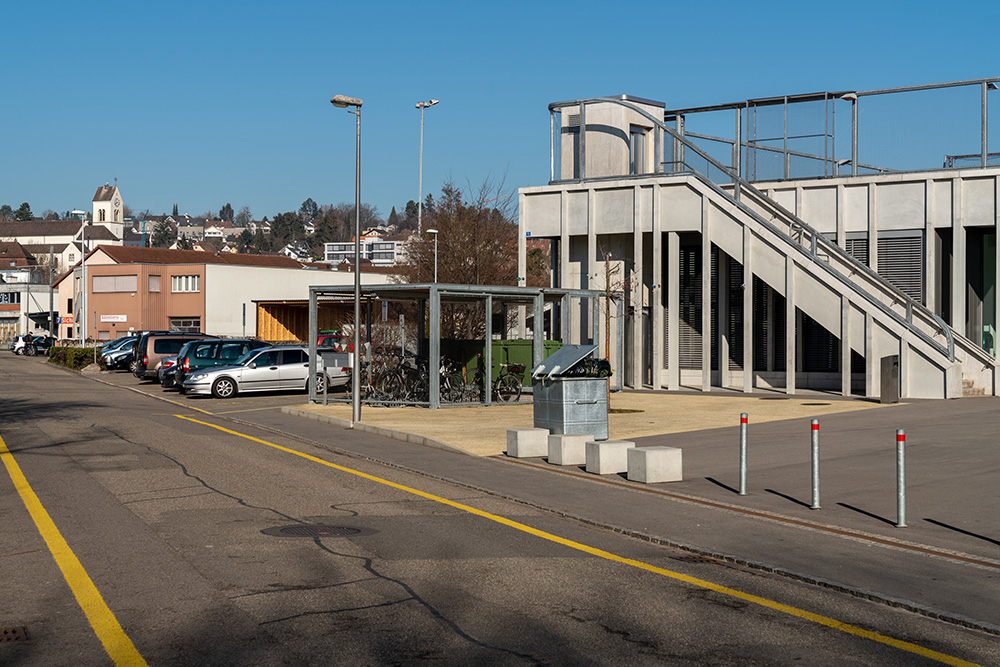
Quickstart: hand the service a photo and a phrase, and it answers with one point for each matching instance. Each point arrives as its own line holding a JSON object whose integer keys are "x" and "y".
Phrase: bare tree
{"x": 476, "y": 245}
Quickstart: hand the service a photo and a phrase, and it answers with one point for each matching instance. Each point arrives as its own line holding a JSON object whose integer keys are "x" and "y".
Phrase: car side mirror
{"x": 252, "y": 364}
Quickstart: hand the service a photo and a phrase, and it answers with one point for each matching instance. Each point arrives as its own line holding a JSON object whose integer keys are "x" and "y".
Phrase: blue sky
{"x": 204, "y": 103}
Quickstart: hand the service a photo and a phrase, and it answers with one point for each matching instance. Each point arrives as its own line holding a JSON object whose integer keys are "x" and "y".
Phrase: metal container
{"x": 569, "y": 404}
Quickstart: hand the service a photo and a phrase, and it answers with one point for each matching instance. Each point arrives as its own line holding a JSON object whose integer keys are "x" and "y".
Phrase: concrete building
{"x": 130, "y": 289}
{"x": 781, "y": 242}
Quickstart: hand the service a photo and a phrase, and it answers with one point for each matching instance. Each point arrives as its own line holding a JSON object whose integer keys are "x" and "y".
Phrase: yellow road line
{"x": 119, "y": 647}
{"x": 600, "y": 553}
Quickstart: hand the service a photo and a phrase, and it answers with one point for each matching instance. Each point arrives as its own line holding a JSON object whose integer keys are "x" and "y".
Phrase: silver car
{"x": 280, "y": 368}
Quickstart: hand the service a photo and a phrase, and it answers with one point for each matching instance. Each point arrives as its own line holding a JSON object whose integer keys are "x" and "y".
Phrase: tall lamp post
{"x": 343, "y": 102}
{"x": 420, "y": 194}
{"x": 83, "y": 281}
{"x": 435, "y": 233}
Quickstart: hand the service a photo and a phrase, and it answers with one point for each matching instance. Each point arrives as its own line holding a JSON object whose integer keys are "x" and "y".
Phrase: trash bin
{"x": 890, "y": 379}
{"x": 569, "y": 404}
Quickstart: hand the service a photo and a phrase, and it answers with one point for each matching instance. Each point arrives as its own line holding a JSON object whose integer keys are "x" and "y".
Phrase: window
{"x": 294, "y": 357}
{"x": 637, "y": 150}
{"x": 205, "y": 351}
{"x": 101, "y": 216}
{"x": 185, "y": 283}
{"x": 115, "y": 283}
{"x": 266, "y": 359}
{"x": 72, "y": 257}
{"x": 232, "y": 351}
{"x": 189, "y": 324}
{"x": 154, "y": 283}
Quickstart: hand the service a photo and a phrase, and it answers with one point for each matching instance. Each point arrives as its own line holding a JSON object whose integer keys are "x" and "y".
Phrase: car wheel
{"x": 320, "y": 383}
{"x": 224, "y": 388}
{"x": 132, "y": 365}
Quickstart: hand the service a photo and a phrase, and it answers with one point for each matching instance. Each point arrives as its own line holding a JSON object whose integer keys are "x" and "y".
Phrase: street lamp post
{"x": 343, "y": 102}
{"x": 420, "y": 194}
{"x": 435, "y": 233}
{"x": 83, "y": 276}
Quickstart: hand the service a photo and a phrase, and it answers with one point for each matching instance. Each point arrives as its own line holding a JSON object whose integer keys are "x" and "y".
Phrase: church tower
{"x": 109, "y": 210}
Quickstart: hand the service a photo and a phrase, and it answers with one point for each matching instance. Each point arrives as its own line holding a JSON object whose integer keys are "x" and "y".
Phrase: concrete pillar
{"x": 845, "y": 346}
{"x": 706, "y": 299}
{"x": 872, "y": 230}
{"x": 673, "y": 310}
{"x": 930, "y": 250}
{"x": 871, "y": 363}
{"x": 959, "y": 283}
{"x": 638, "y": 372}
{"x": 841, "y": 233}
{"x": 564, "y": 245}
{"x": 904, "y": 365}
{"x": 748, "y": 310}
{"x": 657, "y": 292}
{"x": 996, "y": 263}
{"x": 790, "y": 328}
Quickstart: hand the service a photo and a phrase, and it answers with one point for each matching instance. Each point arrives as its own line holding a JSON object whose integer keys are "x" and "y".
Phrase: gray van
{"x": 153, "y": 346}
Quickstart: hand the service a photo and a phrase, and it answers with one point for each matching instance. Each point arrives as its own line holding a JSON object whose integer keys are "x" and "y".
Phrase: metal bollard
{"x": 815, "y": 465}
{"x": 743, "y": 453}
{"x": 900, "y": 478}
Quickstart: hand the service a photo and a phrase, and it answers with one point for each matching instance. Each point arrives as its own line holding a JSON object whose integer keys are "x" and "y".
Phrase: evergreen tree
{"x": 163, "y": 235}
{"x": 175, "y": 211}
{"x": 226, "y": 213}
{"x": 309, "y": 210}
{"x": 23, "y": 213}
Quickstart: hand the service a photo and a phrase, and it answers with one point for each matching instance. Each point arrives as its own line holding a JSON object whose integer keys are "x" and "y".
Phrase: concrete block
{"x": 568, "y": 449}
{"x": 608, "y": 457}
{"x": 525, "y": 443}
{"x": 651, "y": 465}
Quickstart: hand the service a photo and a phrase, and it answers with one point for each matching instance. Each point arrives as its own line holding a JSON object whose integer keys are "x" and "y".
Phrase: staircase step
{"x": 972, "y": 391}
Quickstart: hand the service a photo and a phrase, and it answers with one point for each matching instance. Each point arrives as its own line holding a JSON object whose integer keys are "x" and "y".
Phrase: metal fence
{"x": 935, "y": 126}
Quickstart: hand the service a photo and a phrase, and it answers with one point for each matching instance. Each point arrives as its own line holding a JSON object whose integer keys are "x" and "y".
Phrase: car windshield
{"x": 245, "y": 359}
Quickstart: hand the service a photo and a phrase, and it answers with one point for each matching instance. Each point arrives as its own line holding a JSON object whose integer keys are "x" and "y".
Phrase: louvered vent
{"x": 901, "y": 262}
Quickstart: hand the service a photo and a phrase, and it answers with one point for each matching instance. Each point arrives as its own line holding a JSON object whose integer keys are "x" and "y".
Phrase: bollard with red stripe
{"x": 744, "y": 425}
{"x": 815, "y": 465}
{"x": 900, "y": 478}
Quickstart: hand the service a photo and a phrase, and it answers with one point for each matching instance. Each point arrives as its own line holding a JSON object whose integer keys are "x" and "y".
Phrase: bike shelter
{"x": 547, "y": 310}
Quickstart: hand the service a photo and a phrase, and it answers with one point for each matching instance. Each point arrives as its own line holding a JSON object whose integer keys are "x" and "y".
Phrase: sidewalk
{"x": 482, "y": 431}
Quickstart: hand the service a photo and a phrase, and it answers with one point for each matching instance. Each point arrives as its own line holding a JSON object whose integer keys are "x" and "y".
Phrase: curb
{"x": 404, "y": 436}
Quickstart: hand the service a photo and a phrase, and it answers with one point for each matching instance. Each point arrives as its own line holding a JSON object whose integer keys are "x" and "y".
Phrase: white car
{"x": 280, "y": 368}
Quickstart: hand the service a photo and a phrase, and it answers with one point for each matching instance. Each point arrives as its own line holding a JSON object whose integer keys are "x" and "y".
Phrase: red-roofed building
{"x": 131, "y": 289}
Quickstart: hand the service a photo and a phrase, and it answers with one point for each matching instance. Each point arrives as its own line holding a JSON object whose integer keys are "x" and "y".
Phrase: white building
{"x": 379, "y": 250}
{"x": 819, "y": 243}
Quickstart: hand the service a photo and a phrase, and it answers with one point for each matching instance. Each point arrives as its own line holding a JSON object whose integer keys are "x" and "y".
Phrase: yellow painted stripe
{"x": 600, "y": 553}
{"x": 119, "y": 647}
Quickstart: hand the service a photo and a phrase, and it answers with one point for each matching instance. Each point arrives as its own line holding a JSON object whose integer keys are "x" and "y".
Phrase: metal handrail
{"x": 793, "y": 222}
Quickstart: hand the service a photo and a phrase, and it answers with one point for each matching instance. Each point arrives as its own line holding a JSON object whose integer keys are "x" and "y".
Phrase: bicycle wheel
{"x": 452, "y": 387}
{"x": 508, "y": 389}
{"x": 389, "y": 387}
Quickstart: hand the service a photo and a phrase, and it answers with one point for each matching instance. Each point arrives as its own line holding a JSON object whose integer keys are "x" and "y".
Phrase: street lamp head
{"x": 432, "y": 231}
{"x": 343, "y": 101}
{"x": 424, "y": 105}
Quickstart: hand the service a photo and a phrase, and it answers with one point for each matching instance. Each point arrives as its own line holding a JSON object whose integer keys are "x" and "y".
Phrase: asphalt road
{"x": 210, "y": 541}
